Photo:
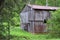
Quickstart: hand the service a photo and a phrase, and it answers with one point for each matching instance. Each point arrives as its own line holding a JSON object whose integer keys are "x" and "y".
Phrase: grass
{"x": 18, "y": 34}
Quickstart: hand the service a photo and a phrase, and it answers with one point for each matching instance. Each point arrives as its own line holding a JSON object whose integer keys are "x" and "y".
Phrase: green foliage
{"x": 10, "y": 9}
{"x": 9, "y": 16}
{"x": 54, "y": 2}
{"x": 50, "y": 2}
{"x": 18, "y": 34}
{"x": 54, "y": 24}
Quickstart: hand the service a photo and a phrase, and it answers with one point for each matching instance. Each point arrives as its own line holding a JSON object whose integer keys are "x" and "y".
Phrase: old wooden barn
{"x": 34, "y": 18}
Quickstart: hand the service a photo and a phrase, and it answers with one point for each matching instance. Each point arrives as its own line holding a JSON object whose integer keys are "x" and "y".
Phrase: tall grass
{"x": 18, "y": 34}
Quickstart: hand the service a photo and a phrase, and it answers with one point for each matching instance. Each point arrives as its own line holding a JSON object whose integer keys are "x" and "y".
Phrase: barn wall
{"x": 25, "y": 20}
{"x": 30, "y": 29}
{"x": 40, "y": 16}
{"x": 36, "y": 19}
{"x": 31, "y": 18}
{"x": 24, "y": 17}
{"x": 26, "y": 9}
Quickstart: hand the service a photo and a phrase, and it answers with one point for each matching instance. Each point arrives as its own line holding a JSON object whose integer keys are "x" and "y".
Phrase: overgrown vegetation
{"x": 54, "y": 24}
{"x": 9, "y": 19}
{"x": 18, "y": 34}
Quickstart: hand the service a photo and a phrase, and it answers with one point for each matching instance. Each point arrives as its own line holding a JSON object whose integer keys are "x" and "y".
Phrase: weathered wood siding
{"x": 38, "y": 17}
{"x": 24, "y": 17}
{"x": 26, "y": 9}
{"x": 30, "y": 18}
{"x": 31, "y": 27}
{"x": 33, "y": 20}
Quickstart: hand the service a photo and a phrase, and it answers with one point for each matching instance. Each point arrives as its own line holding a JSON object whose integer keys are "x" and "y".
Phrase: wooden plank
{"x": 26, "y": 9}
{"x": 24, "y": 17}
{"x": 31, "y": 27}
{"x": 36, "y": 20}
{"x": 39, "y": 27}
{"x": 31, "y": 15}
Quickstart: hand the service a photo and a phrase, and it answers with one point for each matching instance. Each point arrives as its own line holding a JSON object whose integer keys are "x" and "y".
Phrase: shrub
{"x": 54, "y": 24}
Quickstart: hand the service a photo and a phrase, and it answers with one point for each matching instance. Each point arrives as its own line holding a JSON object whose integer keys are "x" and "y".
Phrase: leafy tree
{"x": 10, "y": 10}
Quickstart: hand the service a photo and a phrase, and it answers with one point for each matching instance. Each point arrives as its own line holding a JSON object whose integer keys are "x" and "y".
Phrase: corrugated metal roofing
{"x": 43, "y": 7}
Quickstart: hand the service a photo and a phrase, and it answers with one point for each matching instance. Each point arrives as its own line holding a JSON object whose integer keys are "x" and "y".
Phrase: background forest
{"x": 10, "y": 20}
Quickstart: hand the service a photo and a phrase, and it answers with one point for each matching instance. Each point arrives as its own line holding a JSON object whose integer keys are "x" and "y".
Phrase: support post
{"x": 46, "y": 2}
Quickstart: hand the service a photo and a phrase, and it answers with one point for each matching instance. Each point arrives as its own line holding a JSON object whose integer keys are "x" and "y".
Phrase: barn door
{"x": 39, "y": 25}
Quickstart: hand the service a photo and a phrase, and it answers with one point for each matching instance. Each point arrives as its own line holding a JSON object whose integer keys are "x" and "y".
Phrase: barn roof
{"x": 43, "y": 7}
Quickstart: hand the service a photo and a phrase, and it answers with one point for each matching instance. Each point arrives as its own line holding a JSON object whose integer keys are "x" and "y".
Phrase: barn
{"x": 34, "y": 18}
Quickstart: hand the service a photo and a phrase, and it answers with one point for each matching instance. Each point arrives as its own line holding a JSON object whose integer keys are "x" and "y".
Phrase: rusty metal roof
{"x": 43, "y": 7}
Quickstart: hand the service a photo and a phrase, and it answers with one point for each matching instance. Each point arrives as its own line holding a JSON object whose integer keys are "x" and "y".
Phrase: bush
{"x": 54, "y": 24}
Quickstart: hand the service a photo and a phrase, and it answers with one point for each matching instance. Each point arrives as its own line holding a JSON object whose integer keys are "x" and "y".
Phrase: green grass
{"x": 18, "y": 34}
